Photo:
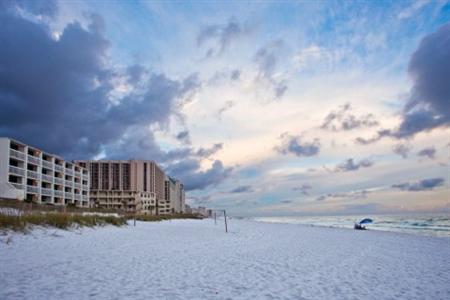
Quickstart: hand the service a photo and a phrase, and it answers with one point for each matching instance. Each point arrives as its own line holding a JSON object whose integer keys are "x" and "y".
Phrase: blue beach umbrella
{"x": 366, "y": 221}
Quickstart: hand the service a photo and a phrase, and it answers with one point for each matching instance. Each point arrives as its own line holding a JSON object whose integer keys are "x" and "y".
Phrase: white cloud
{"x": 409, "y": 11}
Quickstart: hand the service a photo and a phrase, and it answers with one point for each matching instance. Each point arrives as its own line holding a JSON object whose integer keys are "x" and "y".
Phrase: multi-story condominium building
{"x": 132, "y": 185}
{"x": 175, "y": 197}
{"x": 27, "y": 173}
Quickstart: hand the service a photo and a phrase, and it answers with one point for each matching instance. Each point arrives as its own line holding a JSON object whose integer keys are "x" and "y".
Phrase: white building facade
{"x": 27, "y": 173}
{"x": 175, "y": 196}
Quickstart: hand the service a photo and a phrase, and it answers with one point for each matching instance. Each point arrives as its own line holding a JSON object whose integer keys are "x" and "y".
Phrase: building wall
{"x": 174, "y": 190}
{"x": 128, "y": 175}
{"x": 129, "y": 201}
{"x": 182, "y": 198}
{"x": 159, "y": 178}
{"x": 41, "y": 177}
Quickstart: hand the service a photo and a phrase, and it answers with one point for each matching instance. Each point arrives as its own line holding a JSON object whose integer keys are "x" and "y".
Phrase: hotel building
{"x": 136, "y": 186}
{"x": 27, "y": 173}
{"x": 175, "y": 197}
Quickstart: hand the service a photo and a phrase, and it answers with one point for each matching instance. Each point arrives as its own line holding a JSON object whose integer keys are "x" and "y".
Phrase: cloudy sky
{"x": 260, "y": 108}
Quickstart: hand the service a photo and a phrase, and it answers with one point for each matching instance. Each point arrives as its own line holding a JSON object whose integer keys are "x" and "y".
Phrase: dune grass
{"x": 156, "y": 218}
{"x": 58, "y": 220}
{"x": 21, "y": 216}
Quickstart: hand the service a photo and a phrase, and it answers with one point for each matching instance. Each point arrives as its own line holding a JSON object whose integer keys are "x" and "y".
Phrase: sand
{"x": 191, "y": 259}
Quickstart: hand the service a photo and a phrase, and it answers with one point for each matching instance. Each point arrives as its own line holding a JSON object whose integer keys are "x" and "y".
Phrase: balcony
{"x": 47, "y": 178}
{"x": 32, "y": 189}
{"x": 59, "y": 168}
{"x": 69, "y": 183}
{"x": 68, "y": 195}
{"x": 17, "y": 154}
{"x": 17, "y": 186}
{"x": 32, "y": 174}
{"x": 59, "y": 193}
{"x": 85, "y": 177}
{"x": 77, "y": 197}
{"x": 47, "y": 164}
{"x": 46, "y": 192}
{"x": 69, "y": 172}
{"x": 34, "y": 160}
{"x": 85, "y": 198}
{"x": 77, "y": 185}
{"x": 16, "y": 171}
{"x": 59, "y": 180}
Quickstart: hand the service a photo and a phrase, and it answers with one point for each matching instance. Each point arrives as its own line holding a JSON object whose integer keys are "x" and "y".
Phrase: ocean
{"x": 430, "y": 225}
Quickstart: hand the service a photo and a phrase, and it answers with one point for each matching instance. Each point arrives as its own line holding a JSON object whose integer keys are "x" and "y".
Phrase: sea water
{"x": 432, "y": 225}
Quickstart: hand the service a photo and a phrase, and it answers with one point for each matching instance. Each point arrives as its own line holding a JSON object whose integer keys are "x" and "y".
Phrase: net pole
{"x": 226, "y": 225}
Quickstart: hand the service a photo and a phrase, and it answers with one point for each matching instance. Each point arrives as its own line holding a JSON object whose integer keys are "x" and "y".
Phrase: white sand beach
{"x": 190, "y": 259}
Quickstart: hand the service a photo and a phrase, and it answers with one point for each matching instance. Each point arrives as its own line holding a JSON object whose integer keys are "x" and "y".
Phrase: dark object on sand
{"x": 359, "y": 227}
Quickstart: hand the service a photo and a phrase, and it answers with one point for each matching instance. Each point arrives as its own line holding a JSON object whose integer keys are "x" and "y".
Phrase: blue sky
{"x": 271, "y": 98}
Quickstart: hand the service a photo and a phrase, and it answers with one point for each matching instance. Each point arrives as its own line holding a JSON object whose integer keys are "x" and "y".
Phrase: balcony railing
{"x": 69, "y": 172}
{"x": 85, "y": 198}
{"x": 69, "y": 183}
{"x": 46, "y": 192}
{"x": 33, "y": 159}
{"x": 17, "y": 154}
{"x": 85, "y": 176}
{"x": 47, "y": 164}
{"x": 17, "y": 186}
{"x": 32, "y": 174}
{"x": 32, "y": 189}
{"x": 77, "y": 197}
{"x": 59, "y": 193}
{"x": 47, "y": 178}
{"x": 59, "y": 180}
{"x": 77, "y": 185}
{"x": 16, "y": 171}
{"x": 68, "y": 195}
{"x": 59, "y": 168}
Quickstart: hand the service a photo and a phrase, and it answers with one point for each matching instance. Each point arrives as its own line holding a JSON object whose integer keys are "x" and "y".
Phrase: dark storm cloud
{"x": 235, "y": 75}
{"x": 55, "y": 95}
{"x": 267, "y": 59}
{"x": 428, "y": 104}
{"x": 343, "y": 119}
{"x": 242, "y": 189}
{"x": 286, "y": 201}
{"x": 227, "y": 106}
{"x": 401, "y": 149}
{"x": 429, "y": 152}
{"x": 379, "y": 135}
{"x": 304, "y": 189}
{"x": 295, "y": 145}
{"x": 49, "y": 84}
{"x": 350, "y": 165}
{"x": 352, "y": 195}
{"x": 136, "y": 73}
{"x": 193, "y": 178}
{"x": 184, "y": 137}
{"x": 421, "y": 185}
{"x": 207, "y": 152}
{"x": 221, "y": 35}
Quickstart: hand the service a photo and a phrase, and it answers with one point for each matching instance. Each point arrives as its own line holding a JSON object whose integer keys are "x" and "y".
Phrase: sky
{"x": 260, "y": 108}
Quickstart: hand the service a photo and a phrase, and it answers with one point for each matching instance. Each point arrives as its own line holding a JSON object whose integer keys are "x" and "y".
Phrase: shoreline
{"x": 404, "y": 224}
